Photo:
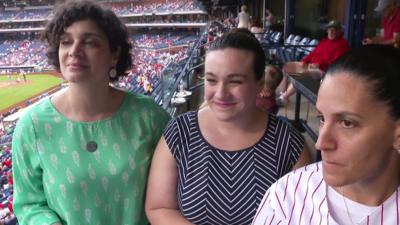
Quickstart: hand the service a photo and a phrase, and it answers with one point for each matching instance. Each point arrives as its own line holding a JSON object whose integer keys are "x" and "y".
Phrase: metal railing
{"x": 171, "y": 79}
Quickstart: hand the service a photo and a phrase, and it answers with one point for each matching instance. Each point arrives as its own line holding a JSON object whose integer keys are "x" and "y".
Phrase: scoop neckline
{"x": 110, "y": 117}
{"x": 196, "y": 115}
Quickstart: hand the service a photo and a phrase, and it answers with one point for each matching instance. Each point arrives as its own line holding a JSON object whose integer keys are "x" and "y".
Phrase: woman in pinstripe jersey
{"x": 358, "y": 180}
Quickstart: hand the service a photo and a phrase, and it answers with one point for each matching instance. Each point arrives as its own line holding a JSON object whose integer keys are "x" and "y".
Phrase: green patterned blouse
{"x": 85, "y": 172}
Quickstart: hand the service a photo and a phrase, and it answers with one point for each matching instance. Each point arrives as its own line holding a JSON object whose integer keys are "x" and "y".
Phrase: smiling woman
{"x": 358, "y": 180}
{"x": 212, "y": 165}
{"x": 230, "y": 87}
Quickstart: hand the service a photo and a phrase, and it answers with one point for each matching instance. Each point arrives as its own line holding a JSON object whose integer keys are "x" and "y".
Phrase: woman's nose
{"x": 221, "y": 90}
{"x": 75, "y": 49}
{"x": 325, "y": 139}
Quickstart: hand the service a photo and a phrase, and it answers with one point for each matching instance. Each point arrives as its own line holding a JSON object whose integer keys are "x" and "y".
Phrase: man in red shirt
{"x": 326, "y": 52}
{"x": 328, "y": 49}
{"x": 390, "y": 23}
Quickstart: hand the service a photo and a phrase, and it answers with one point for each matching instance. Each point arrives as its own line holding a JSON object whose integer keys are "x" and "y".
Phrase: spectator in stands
{"x": 7, "y": 148}
{"x": 243, "y": 18}
{"x": 269, "y": 19}
{"x": 81, "y": 156}
{"x": 390, "y": 23}
{"x": 10, "y": 180}
{"x": 358, "y": 180}
{"x": 257, "y": 30}
{"x": 328, "y": 49}
{"x": 266, "y": 99}
{"x": 324, "y": 54}
{"x": 5, "y": 214}
{"x": 211, "y": 165}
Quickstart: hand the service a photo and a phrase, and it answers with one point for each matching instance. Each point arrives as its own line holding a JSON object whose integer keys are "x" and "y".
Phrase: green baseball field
{"x": 14, "y": 89}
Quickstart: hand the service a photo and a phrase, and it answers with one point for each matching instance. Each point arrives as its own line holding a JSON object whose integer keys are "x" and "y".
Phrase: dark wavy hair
{"x": 243, "y": 39}
{"x": 76, "y": 10}
{"x": 379, "y": 66}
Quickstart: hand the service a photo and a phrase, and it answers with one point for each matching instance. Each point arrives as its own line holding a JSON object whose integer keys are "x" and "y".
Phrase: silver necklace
{"x": 347, "y": 208}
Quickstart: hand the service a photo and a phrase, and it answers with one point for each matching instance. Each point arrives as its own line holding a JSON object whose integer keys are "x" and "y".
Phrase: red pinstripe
{"x": 382, "y": 215}
{"x": 312, "y": 199}
{"x": 319, "y": 209}
{"x": 280, "y": 205}
{"x": 295, "y": 191}
{"x": 305, "y": 197}
{"x": 286, "y": 185}
{"x": 327, "y": 218}
{"x": 271, "y": 219}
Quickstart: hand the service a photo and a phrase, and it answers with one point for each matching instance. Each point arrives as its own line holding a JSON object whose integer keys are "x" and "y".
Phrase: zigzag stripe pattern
{"x": 224, "y": 187}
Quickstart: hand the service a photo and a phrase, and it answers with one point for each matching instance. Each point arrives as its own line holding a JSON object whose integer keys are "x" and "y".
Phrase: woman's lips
{"x": 77, "y": 66}
{"x": 330, "y": 165}
{"x": 224, "y": 104}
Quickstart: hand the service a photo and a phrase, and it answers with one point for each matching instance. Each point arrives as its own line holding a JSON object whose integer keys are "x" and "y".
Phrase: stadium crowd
{"x": 155, "y": 7}
{"x": 153, "y": 52}
{"x": 151, "y": 47}
{"x": 7, "y": 216}
{"x": 15, "y": 3}
{"x": 22, "y": 52}
{"x": 120, "y": 8}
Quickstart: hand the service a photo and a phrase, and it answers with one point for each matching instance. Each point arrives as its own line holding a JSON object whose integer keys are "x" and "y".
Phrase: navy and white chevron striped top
{"x": 225, "y": 187}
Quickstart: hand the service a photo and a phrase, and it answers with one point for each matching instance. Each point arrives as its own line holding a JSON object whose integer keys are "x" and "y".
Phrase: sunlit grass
{"x": 12, "y": 94}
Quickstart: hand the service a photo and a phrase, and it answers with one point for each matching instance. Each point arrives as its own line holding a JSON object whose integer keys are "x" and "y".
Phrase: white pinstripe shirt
{"x": 300, "y": 197}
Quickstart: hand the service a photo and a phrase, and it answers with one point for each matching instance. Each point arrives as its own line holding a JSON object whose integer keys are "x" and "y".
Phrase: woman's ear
{"x": 261, "y": 83}
{"x": 115, "y": 56}
{"x": 396, "y": 143}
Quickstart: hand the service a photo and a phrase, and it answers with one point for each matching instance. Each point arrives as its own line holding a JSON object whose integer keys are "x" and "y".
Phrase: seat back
{"x": 289, "y": 39}
{"x": 277, "y": 38}
{"x": 313, "y": 42}
{"x": 296, "y": 40}
{"x": 267, "y": 35}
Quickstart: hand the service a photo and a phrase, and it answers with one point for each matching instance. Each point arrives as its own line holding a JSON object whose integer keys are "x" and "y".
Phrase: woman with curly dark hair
{"x": 82, "y": 155}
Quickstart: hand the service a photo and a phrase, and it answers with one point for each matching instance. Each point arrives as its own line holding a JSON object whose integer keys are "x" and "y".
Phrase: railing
{"x": 173, "y": 78}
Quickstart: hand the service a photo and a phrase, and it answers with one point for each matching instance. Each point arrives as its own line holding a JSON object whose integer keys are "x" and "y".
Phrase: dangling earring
{"x": 112, "y": 72}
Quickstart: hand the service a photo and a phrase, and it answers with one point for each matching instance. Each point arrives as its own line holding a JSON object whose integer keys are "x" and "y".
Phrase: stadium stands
{"x": 280, "y": 51}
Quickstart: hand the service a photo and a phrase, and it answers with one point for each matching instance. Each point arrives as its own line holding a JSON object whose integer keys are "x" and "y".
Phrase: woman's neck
{"x": 235, "y": 134}
{"x": 378, "y": 188}
{"x": 246, "y": 122}
{"x": 85, "y": 104}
